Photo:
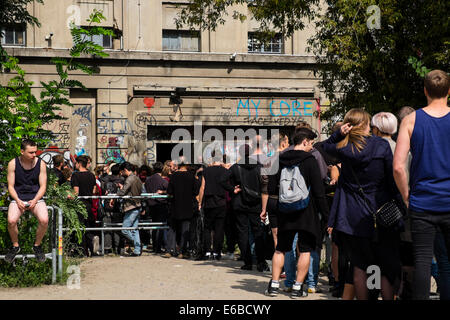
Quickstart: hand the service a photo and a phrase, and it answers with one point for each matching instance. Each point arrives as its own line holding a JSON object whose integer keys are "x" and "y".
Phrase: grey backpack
{"x": 294, "y": 194}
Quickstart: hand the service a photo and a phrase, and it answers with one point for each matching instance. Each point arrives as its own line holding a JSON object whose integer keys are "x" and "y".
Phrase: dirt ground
{"x": 152, "y": 277}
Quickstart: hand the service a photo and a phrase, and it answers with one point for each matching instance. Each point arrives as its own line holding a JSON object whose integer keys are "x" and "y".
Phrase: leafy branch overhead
{"x": 27, "y": 114}
{"x": 375, "y": 68}
{"x": 273, "y": 16}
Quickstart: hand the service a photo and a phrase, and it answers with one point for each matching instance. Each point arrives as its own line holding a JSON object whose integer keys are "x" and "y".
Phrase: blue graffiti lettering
{"x": 271, "y": 112}
{"x": 307, "y": 108}
{"x": 246, "y": 106}
{"x": 256, "y": 106}
{"x": 84, "y": 112}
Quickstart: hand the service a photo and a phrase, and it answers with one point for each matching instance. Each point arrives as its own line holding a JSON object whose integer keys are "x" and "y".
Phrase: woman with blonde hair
{"x": 366, "y": 164}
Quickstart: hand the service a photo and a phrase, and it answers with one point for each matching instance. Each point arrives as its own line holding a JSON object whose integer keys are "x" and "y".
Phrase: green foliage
{"x": 273, "y": 16}
{"x": 25, "y": 115}
{"x": 15, "y": 11}
{"x": 369, "y": 68}
{"x": 24, "y": 274}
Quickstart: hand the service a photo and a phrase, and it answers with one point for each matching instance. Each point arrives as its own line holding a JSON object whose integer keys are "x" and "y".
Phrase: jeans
{"x": 290, "y": 264}
{"x": 159, "y": 213}
{"x": 443, "y": 264}
{"x": 424, "y": 226}
{"x": 313, "y": 272}
{"x": 131, "y": 219}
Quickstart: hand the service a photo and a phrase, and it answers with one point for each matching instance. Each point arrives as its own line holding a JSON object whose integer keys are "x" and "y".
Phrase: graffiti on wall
{"x": 280, "y": 108}
{"x": 48, "y": 154}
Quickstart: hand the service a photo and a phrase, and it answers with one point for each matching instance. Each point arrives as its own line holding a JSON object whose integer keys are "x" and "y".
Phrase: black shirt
{"x": 85, "y": 181}
{"x": 183, "y": 186}
{"x": 215, "y": 193}
{"x": 58, "y": 173}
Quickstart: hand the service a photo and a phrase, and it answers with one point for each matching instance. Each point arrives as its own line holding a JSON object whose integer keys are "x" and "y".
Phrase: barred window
{"x": 275, "y": 45}
{"x": 103, "y": 40}
{"x": 13, "y": 35}
{"x": 181, "y": 40}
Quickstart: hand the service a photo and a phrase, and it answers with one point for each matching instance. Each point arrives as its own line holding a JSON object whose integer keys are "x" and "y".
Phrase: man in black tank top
{"x": 27, "y": 182}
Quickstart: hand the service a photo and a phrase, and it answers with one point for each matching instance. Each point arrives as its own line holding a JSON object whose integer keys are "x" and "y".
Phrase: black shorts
{"x": 272, "y": 210}
{"x": 306, "y": 241}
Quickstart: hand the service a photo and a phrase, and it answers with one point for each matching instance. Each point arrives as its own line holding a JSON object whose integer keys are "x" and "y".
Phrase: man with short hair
{"x": 305, "y": 222}
{"x": 27, "y": 183}
{"x": 131, "y": 207}
{"x": 425, "y": 133}
{"x": 58, "y": 164}
{"x": 84, "y": 184}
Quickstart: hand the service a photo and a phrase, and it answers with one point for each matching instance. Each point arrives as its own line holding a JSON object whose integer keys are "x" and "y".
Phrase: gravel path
{"x": 152, "y": 277}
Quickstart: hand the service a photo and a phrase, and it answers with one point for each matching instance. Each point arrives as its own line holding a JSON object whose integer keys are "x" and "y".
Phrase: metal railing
{"x": 109, "y": 226}
{"x": 57, "y": 229}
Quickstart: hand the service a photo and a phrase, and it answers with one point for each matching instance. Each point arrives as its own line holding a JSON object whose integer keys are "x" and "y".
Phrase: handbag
{"x": 388, "y": 215}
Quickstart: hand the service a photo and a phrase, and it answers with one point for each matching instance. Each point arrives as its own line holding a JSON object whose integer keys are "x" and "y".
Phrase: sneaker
{"x": 262, "y": 267}
{"x": 40, "y": 257}
{"x": 215, "y": 256}
{"x": 9, "y": 257}
{"x": 272, "y": 289}
{"x": 96, "y": 244}
{"x": 208, "y": 256}
{"x": 314, "y": 290}
{"x": 283, "y": 275}
{"x": 298, "y": 291}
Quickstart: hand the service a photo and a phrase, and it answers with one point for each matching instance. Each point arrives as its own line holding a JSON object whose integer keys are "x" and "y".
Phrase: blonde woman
{"x": 367, "y": 162}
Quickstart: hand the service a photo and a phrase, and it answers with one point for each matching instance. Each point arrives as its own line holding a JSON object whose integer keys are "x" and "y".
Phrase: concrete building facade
{"x": 226, "y": 78}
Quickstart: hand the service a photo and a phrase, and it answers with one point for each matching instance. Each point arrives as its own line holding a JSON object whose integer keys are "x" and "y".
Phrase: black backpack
{"x": 249, "y": 196}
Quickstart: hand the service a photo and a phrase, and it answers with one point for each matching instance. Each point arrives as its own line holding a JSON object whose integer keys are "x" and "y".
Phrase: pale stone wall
{"x": 131, "y": 92}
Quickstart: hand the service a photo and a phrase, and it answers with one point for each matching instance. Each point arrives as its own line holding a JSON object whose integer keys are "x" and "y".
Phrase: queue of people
{"x": 285, "y": 205}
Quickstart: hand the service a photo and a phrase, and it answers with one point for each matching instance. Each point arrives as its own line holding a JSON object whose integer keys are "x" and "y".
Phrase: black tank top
{"x": 27, "y": 181}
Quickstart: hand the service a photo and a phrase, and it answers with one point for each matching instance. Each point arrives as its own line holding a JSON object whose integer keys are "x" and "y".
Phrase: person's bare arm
{"x": 200, "y": 194}
{"x": 11, "y": 180}
{"x": 401, "y": 155}
{"x": 42, "y": 186}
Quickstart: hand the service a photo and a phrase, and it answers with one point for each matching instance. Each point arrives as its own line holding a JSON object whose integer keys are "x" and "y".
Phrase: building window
{"x": 13, "y": 35}
{"x": 105, "y": 41}
{"x": 275, "y": 45}
{"x": 181, "y": 40}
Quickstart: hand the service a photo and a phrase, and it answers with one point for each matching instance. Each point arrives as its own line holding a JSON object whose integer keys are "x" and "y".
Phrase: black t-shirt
{"x": 215, "y": 194}
{"x": 85, "y": 181}
{"x": 59, "y": 175}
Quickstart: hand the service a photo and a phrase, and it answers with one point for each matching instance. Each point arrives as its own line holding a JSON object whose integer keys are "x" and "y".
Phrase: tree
{"x": 274, "y": 16}
{"x": 359, "y": 64}
{"x": 15, "y": 11}
{"x": 375, "y": 68}
{"x": 25, "y": 114}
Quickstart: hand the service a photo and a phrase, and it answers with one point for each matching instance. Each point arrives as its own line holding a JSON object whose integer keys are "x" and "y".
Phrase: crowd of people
{"x": 286, "y": 205}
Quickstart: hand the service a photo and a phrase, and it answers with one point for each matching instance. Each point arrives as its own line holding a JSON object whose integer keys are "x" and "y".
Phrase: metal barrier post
{"x": 103, "y": 242}
{"x": 53, "y": 244}
{"x": 60, "y": 242}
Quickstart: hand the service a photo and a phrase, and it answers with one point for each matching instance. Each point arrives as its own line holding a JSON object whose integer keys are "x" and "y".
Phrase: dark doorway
{"x": 164, "y": 151}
